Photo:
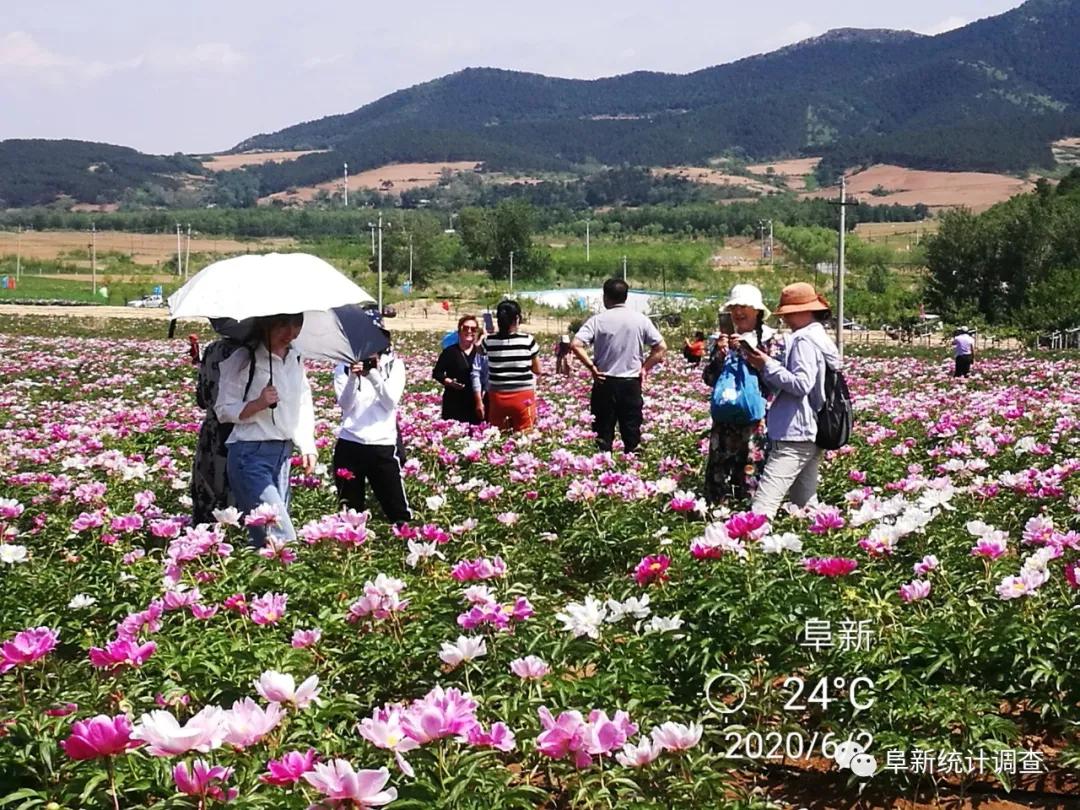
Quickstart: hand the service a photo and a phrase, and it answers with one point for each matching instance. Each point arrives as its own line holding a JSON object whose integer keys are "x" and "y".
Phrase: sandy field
{"x": 975, "y": 190}
{"x": 144, "y": 248}
{"x": 793, "y": 171}
{"x": 716, "y": 177}
{"x": 222, "y": 163}
{"x": 1067, "y": 151}
{"x": 402, "y": 176}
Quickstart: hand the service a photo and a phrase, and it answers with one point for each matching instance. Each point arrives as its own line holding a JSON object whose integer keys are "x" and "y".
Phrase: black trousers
{"x": 379, "y": 464}
{"x": 963, "y": 365}
{"x": 617, "y": 400}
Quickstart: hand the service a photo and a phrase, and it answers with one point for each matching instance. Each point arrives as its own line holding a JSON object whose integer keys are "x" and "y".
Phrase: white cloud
{"x": 206, "y": 57}
{"x": 948, "y": 24}
{"x": 22, "y": 56}
{"x": 20, "y": 51}
{"x": 319, "y": 62}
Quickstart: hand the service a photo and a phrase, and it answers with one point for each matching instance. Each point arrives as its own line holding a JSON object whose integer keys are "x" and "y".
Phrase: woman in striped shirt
{"x": 513, "y": 360}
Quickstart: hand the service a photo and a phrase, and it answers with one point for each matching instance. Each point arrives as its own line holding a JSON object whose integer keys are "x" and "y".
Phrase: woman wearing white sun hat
{"x": 731, "y": 459}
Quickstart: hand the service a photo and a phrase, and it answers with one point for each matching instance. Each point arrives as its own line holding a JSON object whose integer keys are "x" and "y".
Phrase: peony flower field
{"x": 556, "y": 628}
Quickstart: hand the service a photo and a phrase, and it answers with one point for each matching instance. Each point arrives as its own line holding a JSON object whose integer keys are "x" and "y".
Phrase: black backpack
{"x": 834, "y": 419}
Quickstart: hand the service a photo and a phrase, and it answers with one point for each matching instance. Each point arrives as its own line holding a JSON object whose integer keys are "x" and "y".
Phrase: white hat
{"x": 746, "y": 295}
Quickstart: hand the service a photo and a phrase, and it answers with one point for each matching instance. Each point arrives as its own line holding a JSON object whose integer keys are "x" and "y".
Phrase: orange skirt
{"x": 512, "y": 410}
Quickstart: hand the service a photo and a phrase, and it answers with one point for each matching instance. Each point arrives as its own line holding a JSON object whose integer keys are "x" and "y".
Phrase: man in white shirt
{"x": 369, "y": 447}
{"x": 963, "y": 351}
{"x": 618, "y": 335}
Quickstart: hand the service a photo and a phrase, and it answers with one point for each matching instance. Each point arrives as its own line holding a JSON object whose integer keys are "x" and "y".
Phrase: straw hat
{"x": 746, "y": 295}
{"x": 800, "y": 297}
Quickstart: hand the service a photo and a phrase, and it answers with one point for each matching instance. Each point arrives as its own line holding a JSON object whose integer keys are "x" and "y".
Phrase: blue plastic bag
{"x": 737, "y": 397}
{"x": 450, "y": 339}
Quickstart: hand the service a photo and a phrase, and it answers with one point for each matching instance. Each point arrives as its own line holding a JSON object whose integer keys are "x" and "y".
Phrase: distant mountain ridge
{"x": 988, "y": 96}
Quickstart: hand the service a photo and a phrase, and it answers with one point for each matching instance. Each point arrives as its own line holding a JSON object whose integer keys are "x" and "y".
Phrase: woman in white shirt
{"x": 369, "y": 448}
{"x": 268, "y": 426}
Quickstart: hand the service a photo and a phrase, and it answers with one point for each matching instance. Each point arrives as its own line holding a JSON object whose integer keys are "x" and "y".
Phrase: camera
{"x": 369, "y": 364}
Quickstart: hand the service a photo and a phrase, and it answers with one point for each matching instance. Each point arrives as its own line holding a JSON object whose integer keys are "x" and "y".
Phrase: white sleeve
{"x": 305, "y": 425}
{"x": 388, "y": 391}
{"x": 230, "y": 399}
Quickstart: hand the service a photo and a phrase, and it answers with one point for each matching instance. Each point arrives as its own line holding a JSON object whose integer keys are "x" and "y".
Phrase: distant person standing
{"x": 963, "y": 351}
{"x": 694, "y": 350}
{"x": 513, "y": 360}
{"x": 562, "y": 356}
{"x": 618, "y": 335}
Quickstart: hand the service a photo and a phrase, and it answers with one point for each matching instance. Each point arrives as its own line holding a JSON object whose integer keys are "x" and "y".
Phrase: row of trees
{"x": 1018, "y": 263}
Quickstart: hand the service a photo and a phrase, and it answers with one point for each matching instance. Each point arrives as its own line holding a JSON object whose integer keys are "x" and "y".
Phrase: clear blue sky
{"x": 202, "y": 76}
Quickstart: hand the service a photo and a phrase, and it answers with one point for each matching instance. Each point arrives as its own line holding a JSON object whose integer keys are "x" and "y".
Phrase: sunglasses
{"x": 470, "y": 329}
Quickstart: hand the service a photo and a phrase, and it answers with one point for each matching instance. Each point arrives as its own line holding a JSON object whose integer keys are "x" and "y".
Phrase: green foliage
{"x": 491, "y": 236}
{"x": 1015, "y": 263}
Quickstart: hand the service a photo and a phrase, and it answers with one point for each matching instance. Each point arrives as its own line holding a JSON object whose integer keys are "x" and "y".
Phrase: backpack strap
{"x": 251, "y": 371}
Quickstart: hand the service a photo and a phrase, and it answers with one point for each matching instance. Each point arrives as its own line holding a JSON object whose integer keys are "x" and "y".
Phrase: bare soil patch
{"x": 716, "y": 177}
{"x": 895, "y": 184}
{"x": 793, "y": 172}
{"x": 1067, "y": 151}
{"x": 392, "y": 178}
{"x": 144, "y": 248}
{"x": 222, "y": 163}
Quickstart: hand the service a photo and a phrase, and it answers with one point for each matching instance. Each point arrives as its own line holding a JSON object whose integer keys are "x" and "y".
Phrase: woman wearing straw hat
{"x": 791, "y": 469}
{"x": 729, "y": 462}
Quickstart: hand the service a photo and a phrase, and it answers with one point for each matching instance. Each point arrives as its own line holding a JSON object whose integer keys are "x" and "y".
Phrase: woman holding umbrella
{"x": 264, "y": 393}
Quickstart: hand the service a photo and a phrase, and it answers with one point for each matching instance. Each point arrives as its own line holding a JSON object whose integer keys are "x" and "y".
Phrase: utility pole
{"x": 624, "y": 268}
{"x": 372, "y": 226}
{"x": 187, "y": 253}
{"x": 18, "y": 252}
{"x": 511, "y": 271}
{"x": 586, "y": 240}
{"x": 410, "y": 262}
{"x": 770, "y": 242}
{"x": 346, "y": 185}
{"x": 380, "y": 265}
{"x": 93, "y": 259}
{"x": 179, "y": 253}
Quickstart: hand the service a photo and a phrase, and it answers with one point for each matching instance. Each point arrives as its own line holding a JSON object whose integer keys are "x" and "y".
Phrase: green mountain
{"x": 990, "y": 95}
{"x": 37, "y": 172}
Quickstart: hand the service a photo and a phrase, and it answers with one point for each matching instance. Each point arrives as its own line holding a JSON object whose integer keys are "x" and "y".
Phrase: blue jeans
{"x": 259, "y": 473}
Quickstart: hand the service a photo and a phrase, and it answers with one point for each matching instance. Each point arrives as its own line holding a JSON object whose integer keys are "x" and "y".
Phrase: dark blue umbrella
{"x": 342, "y": 335}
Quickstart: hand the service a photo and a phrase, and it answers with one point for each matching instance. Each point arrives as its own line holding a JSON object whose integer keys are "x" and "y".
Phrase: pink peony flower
{"x": 166, "y": 737}
{"x": 1071, "y": 571}
{"x": 278, "y": 687}
{"x": 265, "y": 514}
{"x": 337, "y": 781}
{"x": 915, "y": 590}
{"x": 302, "y": 639}
{"x": 27, "y": 647}
{"x": 529, "y": 668}
{"x": 500, "y": 737}
{"x": 830, "y": 566}
{"x": 440, "y": 713}
{"x": 289, "y": 769}
{"x": 637, "y": 756}
{"x": 825, "y": 519}
{"x": 676, "y": 736}
{"x": 384, "y": 730}
{"x": 63, "y": 710}
{"x": 100, "y": 736}
{"x": 204, "y": 781}
{"x": 926, "y": 565}
{"x": 652, "y": 568}
{"x": 247, "y": 722}
{"x": 268, "y": 608}
{"x": 990, "y": 547}
{"x": 479, "y": 569}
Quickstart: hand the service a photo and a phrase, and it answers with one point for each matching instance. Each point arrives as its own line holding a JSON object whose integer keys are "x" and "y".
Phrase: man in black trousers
{"x": 618, "y": 336}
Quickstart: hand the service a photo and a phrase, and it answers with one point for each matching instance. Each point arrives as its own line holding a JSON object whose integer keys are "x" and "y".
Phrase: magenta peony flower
{"x": 500, "y": 737}
{"x": 825, "y": 519}
{"x": 337, "y": 781}
{"x": 830, "y": 566}
{"x": 204, "y": 781}
{"x": 652, "y": 568}
{"x": 27, "y": 647}
{"x": 289, "y": 769}
{"x": 121, "y": 652}
{"x": 747, "y": 526}
{"x": 100, "y": 736}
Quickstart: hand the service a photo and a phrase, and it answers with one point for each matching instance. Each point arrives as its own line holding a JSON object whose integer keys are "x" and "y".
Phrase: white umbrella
{"x": 249, "y": 286}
